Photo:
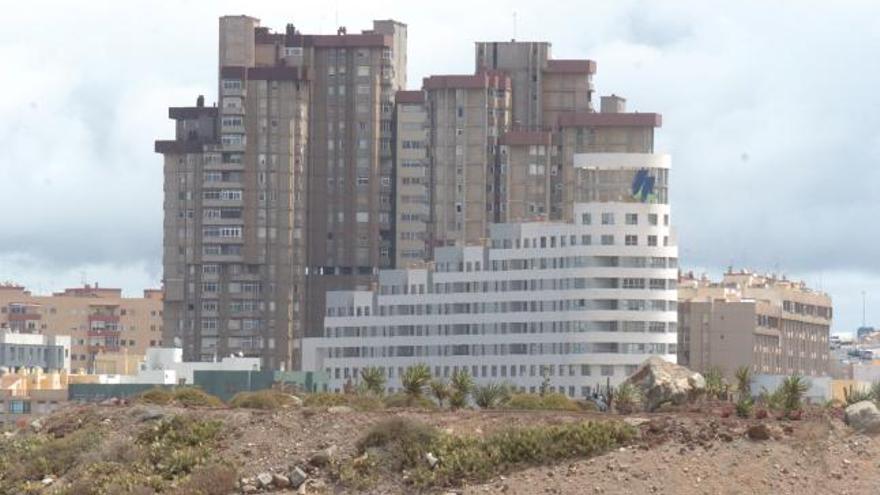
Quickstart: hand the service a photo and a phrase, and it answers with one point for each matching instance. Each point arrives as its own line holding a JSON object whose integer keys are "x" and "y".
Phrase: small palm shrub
{"x": 462, "y": 385}
{"x": 744, "y": 407}
{"x": 490, "y": 395}
{"x": 373, "y": 380}
{"x": 715, "y": 386}
{"x": 440, "y": 390}
{"x": 793, "y": 390}
{"x": 415, "y": 379}
{"x": 744, "y": 379}
{"x": 853, "y": 394}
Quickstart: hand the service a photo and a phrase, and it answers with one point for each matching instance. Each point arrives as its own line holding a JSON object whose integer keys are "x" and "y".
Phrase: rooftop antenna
{"x": 336, "y": 14}
{"x": 863, "y": 308}
{"x": 514, "y": 26}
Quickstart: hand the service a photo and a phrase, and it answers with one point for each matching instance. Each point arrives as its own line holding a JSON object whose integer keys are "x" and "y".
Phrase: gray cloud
{"x": 768, "y": 112}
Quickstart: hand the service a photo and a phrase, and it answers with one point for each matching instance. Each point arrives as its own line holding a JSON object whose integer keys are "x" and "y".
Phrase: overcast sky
{"x": 770, "y": 112}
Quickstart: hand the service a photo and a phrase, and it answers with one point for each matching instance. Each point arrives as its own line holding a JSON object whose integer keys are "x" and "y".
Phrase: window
{"x": 652, "y": 218}
{"x": 586, "y": 219}
{"x": 652, "y": 240}
{"x": 632, "y": 219}
{"x": 607, "y": 370}
{"x": 608, "y": 219}
{"x": 631, "y": 240}
{"x": 231, "y": 84}
{"x": 363, "y": 70}
{"x": 607, "y": 240}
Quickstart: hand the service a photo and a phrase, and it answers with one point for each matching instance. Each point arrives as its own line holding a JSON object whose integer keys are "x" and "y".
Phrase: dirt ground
{"x": 676, "y": 453}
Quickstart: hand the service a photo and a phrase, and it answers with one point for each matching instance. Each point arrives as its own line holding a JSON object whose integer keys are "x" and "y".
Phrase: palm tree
{"x": 415, "y": 379}
{"x": 373, "y": 380}
{"x": 440, "y": 390}
{"x": 714, "y": 382}
{"x": 793, "y": 390}
{"x": 743, "y": 376}
{"x": 462, "y": 385}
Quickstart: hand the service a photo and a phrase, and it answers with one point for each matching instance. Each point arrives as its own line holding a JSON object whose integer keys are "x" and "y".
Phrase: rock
{"x": 864, "y": 417}
{"x": 340, "y": 410}
{"x": 36, "y": 425}
{"x": 295, "y": 401}
{"x": 296, "y": 477}
{"x": 48, "y": 480}
{"x": 758, "y": 432}
{"x": 280, "y": 481}
{"x": 265, "y": 480}
{"x": 660, "y": 382}
{"x": 636, "y": 421}
{"x": 323, "y": 457}
{"x": 248, "y": 488}
{"x": 150, "y": 415}
{"x": 432, "y": 459}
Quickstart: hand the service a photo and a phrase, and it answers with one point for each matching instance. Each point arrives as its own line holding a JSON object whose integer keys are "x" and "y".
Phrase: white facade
{"x": 165, "y": 366}
{"x": 581, "y": 303}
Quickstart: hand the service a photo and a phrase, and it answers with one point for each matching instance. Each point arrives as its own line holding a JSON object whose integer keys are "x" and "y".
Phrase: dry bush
{"x": 210, "y": 479}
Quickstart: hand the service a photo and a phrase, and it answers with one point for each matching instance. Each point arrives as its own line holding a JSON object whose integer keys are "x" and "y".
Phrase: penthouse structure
{"x": 578, "y": 303}
{"x": 772, "y": 325}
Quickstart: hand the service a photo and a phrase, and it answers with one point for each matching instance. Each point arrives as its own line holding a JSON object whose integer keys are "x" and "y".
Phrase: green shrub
{"x": 793, "y": 390}
{"x": 490, "y": 395}
{"x": 471, "y": 458}
{"x": 373, "y": 380}
{"x": 178, "y": 444}
{"x": 415, "y": 379}
{"x": 744, "y": 380}
{"x": 159, "y": 396}
{"x": 549, "y": 402}
{"x": 627, "y": 398}
{"x": 262, "y": 399}
{"x": 210, "y": 479}
{"x": 404, "y": 400}
{"x": 195, "y": 397}
{"x": 716, "y": 388}
{"x": 403, "y": 439}
{"x": 440, "y": 390}
{"x": 462, "y": 385}
{"x": 31, "y": 457}
{"x": 744, "y": 407}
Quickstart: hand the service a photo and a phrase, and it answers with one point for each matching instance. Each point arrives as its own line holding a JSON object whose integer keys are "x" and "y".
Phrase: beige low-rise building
{"x": 773, "y": 325}
{"x": 103, "y": 326}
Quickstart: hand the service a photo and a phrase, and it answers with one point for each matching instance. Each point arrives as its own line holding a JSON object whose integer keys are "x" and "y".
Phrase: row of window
{"x": 501, "y": 328}
{"x": 528, "y": 306}
{"x": 607, "y": 218}
{"x": 547, "y": 263}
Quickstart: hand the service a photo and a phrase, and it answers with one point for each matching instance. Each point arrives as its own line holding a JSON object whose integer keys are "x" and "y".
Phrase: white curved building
{"x": 582, "y": 303}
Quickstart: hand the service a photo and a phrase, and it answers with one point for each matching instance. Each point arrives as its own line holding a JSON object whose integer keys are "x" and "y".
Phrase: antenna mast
{"x": 514, "y": 25}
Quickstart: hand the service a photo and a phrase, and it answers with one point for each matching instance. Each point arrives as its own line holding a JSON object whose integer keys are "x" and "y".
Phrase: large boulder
{"x": 863, "y": 416}
{"x": 660, "y": 382}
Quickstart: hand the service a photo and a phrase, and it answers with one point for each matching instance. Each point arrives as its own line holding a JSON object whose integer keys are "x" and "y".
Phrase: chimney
{"x": 200, "y": 101}
{"x": 613, "y": 104}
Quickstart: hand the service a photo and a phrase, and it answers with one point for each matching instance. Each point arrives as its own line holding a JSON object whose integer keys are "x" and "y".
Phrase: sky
{"x": 769, "y": 112}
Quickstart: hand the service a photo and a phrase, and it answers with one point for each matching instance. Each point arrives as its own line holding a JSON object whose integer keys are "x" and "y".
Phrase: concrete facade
{"x": 98, "y": 321}
{"x": 22, "y": 350}
{"x": 775, "y": 326}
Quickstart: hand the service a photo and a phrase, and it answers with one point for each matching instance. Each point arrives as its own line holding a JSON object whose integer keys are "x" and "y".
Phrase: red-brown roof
{"x": 571, "y": 66}
{"x": 514, "y": 138}
{"x": 483, "y": 79}
{"x": 596, "y": 119}
{"x": 416, "y": 96}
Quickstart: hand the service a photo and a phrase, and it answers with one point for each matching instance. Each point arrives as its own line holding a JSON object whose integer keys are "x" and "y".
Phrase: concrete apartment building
{"x": 413, "y": 181}
{"x": 581, "y": 303}
{"x": 467, "y": 114}
{"x": 98, "y": 324}
{"x": 24, "y": 350}
{"x": 773, "y": 325}
{"x": 283, "y": 190}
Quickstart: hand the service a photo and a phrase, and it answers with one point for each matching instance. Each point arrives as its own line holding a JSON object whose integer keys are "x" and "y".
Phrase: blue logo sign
{"x": 643, "y": 186}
